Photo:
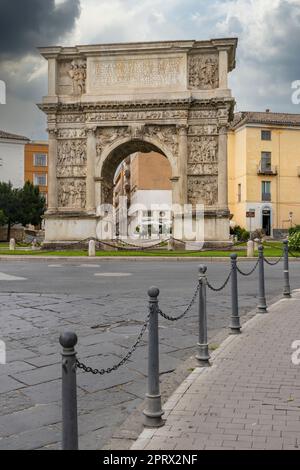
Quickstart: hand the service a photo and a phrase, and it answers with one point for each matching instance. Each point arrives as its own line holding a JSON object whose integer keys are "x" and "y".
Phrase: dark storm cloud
{"x": 26, "y": 24}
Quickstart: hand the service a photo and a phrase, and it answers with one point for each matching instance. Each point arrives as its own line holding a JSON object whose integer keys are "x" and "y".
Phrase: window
{"x": 266, "y": 135}
{"x": 266, "y": 190}
{"x": 266, "y": 161}
{"x": 40, "y": 179}
{"x": 40, "y": 159}
{"x": 239, "y": 193}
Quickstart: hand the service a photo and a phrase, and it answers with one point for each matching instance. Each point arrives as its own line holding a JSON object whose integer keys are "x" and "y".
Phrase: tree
{"x": 32, "y": 205}
{"x": 20, "y": 206}
{"x": 9, "y": 206}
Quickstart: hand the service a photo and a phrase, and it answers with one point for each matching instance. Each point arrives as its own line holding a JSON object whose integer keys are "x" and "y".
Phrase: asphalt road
{"x": 105, "y": 303}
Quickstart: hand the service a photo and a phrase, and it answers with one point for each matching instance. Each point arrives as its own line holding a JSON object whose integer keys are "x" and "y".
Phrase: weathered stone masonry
{"x": 105, "y": 102}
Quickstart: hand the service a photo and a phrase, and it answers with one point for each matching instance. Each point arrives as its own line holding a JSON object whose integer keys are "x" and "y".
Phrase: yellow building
{"x": 264, "y": 171}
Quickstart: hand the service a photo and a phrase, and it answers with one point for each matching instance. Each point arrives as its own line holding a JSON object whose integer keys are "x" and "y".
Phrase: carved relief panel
{"x": 203, "y": 167}
{"x": 71, "y": 155}
{"x": 203, "y": 190}
{"x": 165, "y": 134}
{"x": 105, "y": 136}
{"x": 203, "y": 71}
{"x": 72, "y": 193}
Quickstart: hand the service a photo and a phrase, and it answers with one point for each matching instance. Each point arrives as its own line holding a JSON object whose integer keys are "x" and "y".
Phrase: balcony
{"x": 267, "y": 170}
{"x": 266, "y": 197}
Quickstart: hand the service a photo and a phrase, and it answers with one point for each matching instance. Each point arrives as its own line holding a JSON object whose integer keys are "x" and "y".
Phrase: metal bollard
{"x": 287, "y": 287}
{"x": 262, "y": 305}
{"x": 203, "y": 354}
{"x": 153, "y": 411}
{"x": 235, "y": 325}
{"x": 68, "y": 341}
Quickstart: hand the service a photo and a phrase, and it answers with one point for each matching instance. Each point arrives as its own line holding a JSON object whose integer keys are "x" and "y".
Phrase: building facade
{"x": 145, "y": 180}
{"x": 36, "y": 165}
{"x": 12, "y": 158}
{"x": 264, "y": 171}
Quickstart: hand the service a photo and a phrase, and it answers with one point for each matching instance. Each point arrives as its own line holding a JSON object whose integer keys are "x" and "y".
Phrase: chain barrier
{"x": 85, "y": 368}
{"x": 250, "y": 272}
{"x": 219, "y": 289}
{"x": 293, "y": 255}
{"x": 270, "y": 263}
{"x": 168, "y": 317}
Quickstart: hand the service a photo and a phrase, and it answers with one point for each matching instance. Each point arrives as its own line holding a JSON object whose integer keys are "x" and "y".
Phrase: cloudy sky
{"x": 267, "y": 62}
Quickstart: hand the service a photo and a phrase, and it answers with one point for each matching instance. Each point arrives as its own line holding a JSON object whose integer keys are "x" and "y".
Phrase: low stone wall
{"x": 16, "y": 233}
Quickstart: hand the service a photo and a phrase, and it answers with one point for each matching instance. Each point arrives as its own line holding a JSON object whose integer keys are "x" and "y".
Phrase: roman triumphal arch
{"x": 108, "y": 101}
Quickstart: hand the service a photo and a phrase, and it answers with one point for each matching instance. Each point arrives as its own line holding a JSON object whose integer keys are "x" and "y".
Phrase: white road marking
{"x": 9, "y": 277}
{"x": 113, "y": 274}
{"x": 89, "y": 265}
{"x": 54, "y": 265}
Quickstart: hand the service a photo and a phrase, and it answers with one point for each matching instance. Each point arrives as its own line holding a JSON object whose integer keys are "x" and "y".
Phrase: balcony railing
{"x": 266, "y": 170}
{"x": 266, "y": 197}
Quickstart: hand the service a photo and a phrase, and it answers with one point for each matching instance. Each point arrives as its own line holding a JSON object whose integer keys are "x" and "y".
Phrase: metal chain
{"x": 219, "y": 289}
{"x": 276, "y": 262}
{"x": 168, "y": 317}
{"x": 86, "y": 368}
{"x": 293, "y": 255}
{"x": 251, "y": 272}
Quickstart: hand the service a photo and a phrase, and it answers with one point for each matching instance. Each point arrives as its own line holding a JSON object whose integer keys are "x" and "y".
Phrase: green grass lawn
{"x": 274, "y": 251}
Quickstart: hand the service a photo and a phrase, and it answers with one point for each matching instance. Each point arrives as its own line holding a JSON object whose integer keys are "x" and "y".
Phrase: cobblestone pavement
{"x": 248, "y": 399}
{"x": 107, "y": 314}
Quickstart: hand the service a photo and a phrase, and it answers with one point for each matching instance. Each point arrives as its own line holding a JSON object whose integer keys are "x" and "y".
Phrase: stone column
{"x": 223, "y": 69}
{"x": 182, "y": 163}
{"x": 52, "y": 180}
{"x": 52, "y": 76}
{"x": 222, "y": 169}
{"x": 90, "y": 171}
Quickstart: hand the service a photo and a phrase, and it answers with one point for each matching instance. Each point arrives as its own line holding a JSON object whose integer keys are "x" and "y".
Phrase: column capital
{"x": 182, "y": 129}
{"x": 52, "y": 132}
{"x": 90, "y": 131}
{"x": 223, "y": 129}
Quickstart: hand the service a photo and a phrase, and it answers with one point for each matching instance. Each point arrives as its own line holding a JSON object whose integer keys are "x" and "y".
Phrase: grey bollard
{"x": 153, "y": 411}
{"x": 235, "y": 325}
{"x": 256, "y": 244}
{"x": 12, "y": 244}
{"x": 250, "y": 249}
{"x": 287, "y": 287}
{"x": 203, "y": 354}
{"x": 68, "y": 341}
{"x": 262, "y": 304}
{"x": 92, "y": 248}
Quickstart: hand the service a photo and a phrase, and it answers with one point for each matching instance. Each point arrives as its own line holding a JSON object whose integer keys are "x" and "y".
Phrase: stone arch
{"x": 113, "y": 154}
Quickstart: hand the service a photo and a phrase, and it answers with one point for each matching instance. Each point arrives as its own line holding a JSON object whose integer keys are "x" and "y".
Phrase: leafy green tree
{"x": 32, "y": 205}
{"x": 3, "y": 219}
{"x": 9, "y": 206}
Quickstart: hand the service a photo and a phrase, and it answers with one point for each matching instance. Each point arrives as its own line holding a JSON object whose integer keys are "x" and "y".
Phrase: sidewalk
{"x": 248, "y": 399}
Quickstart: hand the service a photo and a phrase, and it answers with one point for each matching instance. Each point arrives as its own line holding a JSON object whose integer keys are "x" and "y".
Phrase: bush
{"x": 241, "y": 233}
{"x": 294, "y": 241}
{"x": 258, "y": 233}
{"x": 295, "y": 229}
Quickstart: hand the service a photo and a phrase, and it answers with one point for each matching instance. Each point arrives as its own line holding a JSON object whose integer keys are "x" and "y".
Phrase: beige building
{"x": 144, "y": 178}
{"x": 264, "y": 171}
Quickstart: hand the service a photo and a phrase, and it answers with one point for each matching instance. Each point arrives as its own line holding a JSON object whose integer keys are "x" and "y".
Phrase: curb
{"x": 130, "y": 258}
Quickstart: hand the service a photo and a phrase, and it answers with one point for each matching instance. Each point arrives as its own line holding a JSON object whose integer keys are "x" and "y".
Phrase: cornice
{"x": 184, "y": 104}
